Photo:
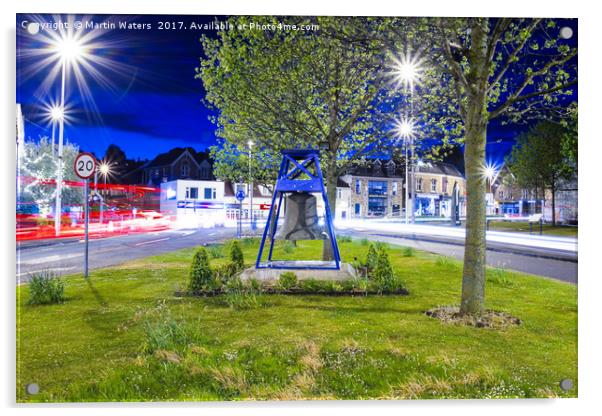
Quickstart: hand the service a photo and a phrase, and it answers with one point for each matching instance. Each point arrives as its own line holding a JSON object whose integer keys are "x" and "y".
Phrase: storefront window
{"x": 377, "y": 206}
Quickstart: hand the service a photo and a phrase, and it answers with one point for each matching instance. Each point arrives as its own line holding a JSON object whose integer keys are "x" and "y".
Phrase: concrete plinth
{"x": 346, "y": 272}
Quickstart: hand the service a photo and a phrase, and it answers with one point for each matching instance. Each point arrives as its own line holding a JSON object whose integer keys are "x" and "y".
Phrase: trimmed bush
{"x": 287, "y": 280}
{"x": 383, "y": 272}
{"x": 201, "y": 275}
{"x": 371, "y": 259}
{"x": 46, "y": 287}
{"x": 236, "y": 256}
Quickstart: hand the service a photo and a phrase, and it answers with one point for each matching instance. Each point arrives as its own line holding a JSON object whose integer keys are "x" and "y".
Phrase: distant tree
{"x": 538, "y": 161}
{"x": 37, "y": 172}
{"x": 291, "y": 89}
{"x": 116, "y": 159}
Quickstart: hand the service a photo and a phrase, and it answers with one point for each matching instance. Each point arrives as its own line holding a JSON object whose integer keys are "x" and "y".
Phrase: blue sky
{"x": 154, "y": 102}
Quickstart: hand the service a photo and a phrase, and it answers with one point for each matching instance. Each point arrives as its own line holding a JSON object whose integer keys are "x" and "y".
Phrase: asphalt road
{"x": 66, "y": 256}
{"x": 555, "y": 264}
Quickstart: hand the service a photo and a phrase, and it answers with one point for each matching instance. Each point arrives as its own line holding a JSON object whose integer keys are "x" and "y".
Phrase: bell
{"x": 301, "y": 219}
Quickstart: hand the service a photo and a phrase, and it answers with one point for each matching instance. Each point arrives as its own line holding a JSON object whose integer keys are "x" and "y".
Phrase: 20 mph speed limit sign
{"x": 85, "y": 165}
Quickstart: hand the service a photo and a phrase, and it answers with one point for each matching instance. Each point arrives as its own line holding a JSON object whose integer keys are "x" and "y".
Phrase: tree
{"x": 481, "y": 69}
{"x": 538, "y": 161}
{"x": 291, "y": 89}
{"x": 37, "y": 171}
{"x": 116, "y": 159}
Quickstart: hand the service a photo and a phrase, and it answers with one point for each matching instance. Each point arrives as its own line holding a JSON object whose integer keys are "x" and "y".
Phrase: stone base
{"x": 346, "y": 272}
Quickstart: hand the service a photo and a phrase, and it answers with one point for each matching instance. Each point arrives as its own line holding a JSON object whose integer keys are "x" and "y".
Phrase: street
{"x": 548, "y": 257}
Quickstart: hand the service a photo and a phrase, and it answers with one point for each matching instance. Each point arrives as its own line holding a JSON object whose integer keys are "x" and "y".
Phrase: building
{"x": 193, "y": 203}
{"x": 509, "y": 199}
{"x": 435, "y": 182}
{"x": 373, "y": 190}
{"x": 178, "y": 163}
{"x": 378, "y": 189}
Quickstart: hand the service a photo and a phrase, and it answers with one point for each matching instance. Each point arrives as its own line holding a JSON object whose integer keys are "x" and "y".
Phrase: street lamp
{"x": 55, "y": 113}
{"x": 250, "y": 144}
{"x": 68, "y": 49}
{"x": 404, "y": 128}
{"x": 407, "y": 71}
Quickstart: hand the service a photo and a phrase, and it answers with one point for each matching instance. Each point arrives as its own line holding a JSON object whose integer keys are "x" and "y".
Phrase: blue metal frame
{"x": 296, "y": 162}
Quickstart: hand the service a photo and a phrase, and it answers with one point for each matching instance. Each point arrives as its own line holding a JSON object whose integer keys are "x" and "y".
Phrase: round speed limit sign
{"x": 84, "y": 165}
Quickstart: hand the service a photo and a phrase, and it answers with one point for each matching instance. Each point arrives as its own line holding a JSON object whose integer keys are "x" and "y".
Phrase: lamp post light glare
{"x": 407, "y": 71}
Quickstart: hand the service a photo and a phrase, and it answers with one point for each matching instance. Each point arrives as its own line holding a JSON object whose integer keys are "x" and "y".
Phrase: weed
{"x": 46, "y": 287}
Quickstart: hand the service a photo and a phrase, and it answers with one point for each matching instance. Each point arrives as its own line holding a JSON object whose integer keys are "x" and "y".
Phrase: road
{"x": 531, "y": 256}
{"x": 67, "y": 256}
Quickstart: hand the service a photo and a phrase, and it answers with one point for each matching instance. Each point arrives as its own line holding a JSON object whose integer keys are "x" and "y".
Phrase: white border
{"x": 590, "y": 193}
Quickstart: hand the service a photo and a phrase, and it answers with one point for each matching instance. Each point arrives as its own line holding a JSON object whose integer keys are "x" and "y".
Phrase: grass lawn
{"x": 548, "y": 229}
{"x": 124, "y": 336}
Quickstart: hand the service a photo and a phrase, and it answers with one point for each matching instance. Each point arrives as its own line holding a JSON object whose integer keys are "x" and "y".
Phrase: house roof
{"x": 378, "y": 169}
{"x": 440, "y": 168}
{"x": 170, "y": 157}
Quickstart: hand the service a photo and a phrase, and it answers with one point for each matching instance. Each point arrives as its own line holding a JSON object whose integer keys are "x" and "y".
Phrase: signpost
{"x": 240, "y": 196}
{"x": 84, "y": 167}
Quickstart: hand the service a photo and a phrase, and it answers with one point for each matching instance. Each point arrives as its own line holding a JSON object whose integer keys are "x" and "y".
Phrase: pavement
{"x": 552, "y": 257}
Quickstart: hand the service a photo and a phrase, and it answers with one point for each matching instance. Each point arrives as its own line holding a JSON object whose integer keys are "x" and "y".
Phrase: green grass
{"x": 548, "y": 229}
{"x": 124, "y": 336}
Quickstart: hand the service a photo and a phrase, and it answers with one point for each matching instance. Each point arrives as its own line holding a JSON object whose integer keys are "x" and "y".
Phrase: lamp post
{"x": 56, "y": 114}
{"x": 105, "y": 170}
{"x": 250, "y": 144}
{"x": 67, "y": 49}
{"x": 407, "y": 72}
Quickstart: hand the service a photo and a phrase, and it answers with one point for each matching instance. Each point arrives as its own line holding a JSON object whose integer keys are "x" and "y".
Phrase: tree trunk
{"x": 473, "y": 276}
{"x": 331, "y": 194}
{"x": 475, "y": 250}
{"x": 553, "y": 189}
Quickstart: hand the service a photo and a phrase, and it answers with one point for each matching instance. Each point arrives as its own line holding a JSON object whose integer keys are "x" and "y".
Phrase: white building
{"x": 193, "y": 203}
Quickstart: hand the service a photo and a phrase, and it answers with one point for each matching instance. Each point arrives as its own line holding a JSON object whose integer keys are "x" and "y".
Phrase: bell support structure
{"x": 299, "y": 172}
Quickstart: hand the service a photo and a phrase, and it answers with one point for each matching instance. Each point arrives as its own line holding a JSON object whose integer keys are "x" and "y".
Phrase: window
{"x": 377, "y": 206}
{"x": 192, "y": 193}
{"x": 501, "y": 194}
{"x": 204, "y": 173}
{"x": 377, "y": 188}
{"x": 339, "y": 194}
{"x": 433, "y": 185}
{"x": 358, "y": 186}
{"x": 444, "y": 185}
{"x": 185, "y": 169}
{"x": 419, "y": 184}
{"x": 210, "y": 193}
{"x": 394, "y": 188}
{"x": 358, "y": 209}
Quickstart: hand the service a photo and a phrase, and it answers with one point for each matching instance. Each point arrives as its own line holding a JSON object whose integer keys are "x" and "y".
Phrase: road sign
{"x": 240, "y": 195}
{"x": 84, "y": 165}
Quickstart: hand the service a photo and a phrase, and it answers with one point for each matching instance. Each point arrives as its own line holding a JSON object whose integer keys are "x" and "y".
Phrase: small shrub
{"x": 409, "y": 252}
{"x": 46, "y": 287}
{"x": 238, "y": 296}
{"x": 288, "y": 246}
{"x": 215, "y": 251}
{"x": 371, "y": 258}
{"x": 383, "y": 272}
{"x": 201, "y": 275}
{"x": 236, "y": 256}
{"x": 344, "y": 239}
{"x": 364, "y": 241}
{"x": 287, "y": 280}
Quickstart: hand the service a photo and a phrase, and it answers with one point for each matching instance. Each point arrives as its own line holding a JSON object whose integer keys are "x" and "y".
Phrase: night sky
{"x": 152, "y": 102}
